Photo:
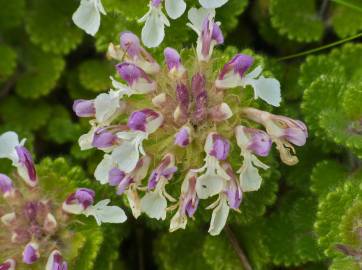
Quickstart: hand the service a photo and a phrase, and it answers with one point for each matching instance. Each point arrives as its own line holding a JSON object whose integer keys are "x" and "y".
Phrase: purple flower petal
{"x": 220, "y": 148}
{"x": 172, "y": 57}
{"x": 116, "y": 176}
{"x": 183, "y": 137}
{"x": 6, "y": 185}
{"x": 130, "y": 43}
{"x": 26, "y": 160}
{"x": 30, "y": 253}
{"x": 239, "y": 64}
{"x": 103, "y": 139}
{"x": 84, "y": 108}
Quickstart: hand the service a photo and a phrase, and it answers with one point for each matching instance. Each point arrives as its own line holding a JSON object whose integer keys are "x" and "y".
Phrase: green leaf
{"x": 49, "y": 25}
{"x": 8, "y": 58}
{"x": 330, "y": 211}
{"x": 304, "y": 26}
{"x": 11, "y": 13}
{"x": 346, "y": 20}
{"x": 22, "y": 115}
{"x": 326, "y": 176}
{"x": 344, "y": 263}
{"x": 289, "y": 232}
{"x": 351, "y": 102}
{"x": 220, "y": 255}
{"x": 40, "y": 75}
{"x": 94, "y": 75}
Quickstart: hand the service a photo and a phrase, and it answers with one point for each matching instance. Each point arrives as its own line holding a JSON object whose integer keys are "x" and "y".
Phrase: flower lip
{"x": 260, "y": 142}
{"x": 130, "y": 43}
{"x": 84, "y": 108}
{"x": 6, "y": 185}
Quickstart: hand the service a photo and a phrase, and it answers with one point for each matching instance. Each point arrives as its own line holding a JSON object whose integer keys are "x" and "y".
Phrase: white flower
{"x": 103, "y": 213}
{"x": 213, "y": 180}
{"x": 155, "y": 20}
{"x": 212, "y": 3}
{"x": 154, "y": 204}
{"x": 88, "y": 17}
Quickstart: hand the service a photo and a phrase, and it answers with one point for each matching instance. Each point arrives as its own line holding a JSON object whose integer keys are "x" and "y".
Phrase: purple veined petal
{"x": 124, "y": 184}
{"x": 220, "y": 148}
{"x": 260, "y": 142}
{"x": 165, "y": 169}
{"x": 130, "y": 43}
{"x": 169, "y": 172}
{"x": 217, "y": 34}
{"x": 233, "y": 190}
{"x": 183, "y": 137}
{"x": 56, "y": 262}
{"x": 191, "y": 206}
{"x": 201, "y": 111}
{"x": 156, "y": 3}
{"x": 78, "y": 201}
{"x": 116, "y": 176}
{"x": 220, "y": 112}
{"x": 152, "y": 181}
{"x": 8, "y": 265}
{"x": 172, "y": 58}
{"x": 6, "y": 184}
{"x": 84, "y": 108}
{"x": 26, "y": 161}
{"x": 31, "y": 253}
{"x": 145, "y": 120}
{"x": 189, "y": 201}
{"x": 103, "y": 139}
{"x": 131, "y": 73}
{"x": 239, "y": 64}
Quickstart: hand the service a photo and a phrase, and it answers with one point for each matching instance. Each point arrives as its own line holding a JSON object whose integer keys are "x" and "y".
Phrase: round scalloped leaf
{"x": 21, "y": 114}
{"x": 11, "y": 13}
{"x": 75, "y": 89}
{"x": 323, "y": 93}
{"x": 49, "y": 24}
{"x": 41, "y": 73}
{"x": 342, "y": 131}
{"x": 351, "y": 102}
{"x": 170, "y": 246}
{"x": 8, "y": 61}
{"x": 345, "y": 263}
{"x": 326, "y": 176}
{"x": 61, "y": 129}
{"x": 306, "y": 25}
{"x": 351, "y": 226}
{"x": 289, "y": 232}
{"x": 220, "y": 255}
{"x": 129, "y": 9}
{"x": 347, "y": 20}
{"x": 315, "y": 66}
{"x": 94, "y": 75}
{"x": 330, "y": 211}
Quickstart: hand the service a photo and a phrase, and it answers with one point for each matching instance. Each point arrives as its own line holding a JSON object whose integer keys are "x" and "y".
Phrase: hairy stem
{"x": 237, "y": 248}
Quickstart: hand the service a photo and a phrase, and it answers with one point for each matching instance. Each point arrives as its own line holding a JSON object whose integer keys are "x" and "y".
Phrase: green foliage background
{"x": 304, "y": 217}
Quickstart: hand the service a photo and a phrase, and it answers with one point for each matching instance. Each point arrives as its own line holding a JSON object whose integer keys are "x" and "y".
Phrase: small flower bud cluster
{"x": 32, "y": 223}
{"x": 186, "y": 127}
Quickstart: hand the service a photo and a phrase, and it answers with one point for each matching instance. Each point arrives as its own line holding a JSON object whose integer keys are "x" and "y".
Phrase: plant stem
{"x": 320, "y": 48}
{"x": 237, "y": 248}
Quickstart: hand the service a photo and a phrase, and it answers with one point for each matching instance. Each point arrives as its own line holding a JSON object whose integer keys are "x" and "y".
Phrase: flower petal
{"x": 212, "y": 3}
{"x": 103, "y": 213}
{"x": 106, "y": 105}
{"x": 209, "y": 185}
{"x": 153, "y": 32}
{"x": 87, "y": 17}
{"x": 102, "y": 171}
{"x": 154, "y": 204}
{"x": 219, "y": 217}
{"x": 268, "y": 89}
{"x": 196, "y": 18}
{"x": 8, "y": 141}
{"x": 250, "y": 179}
{"x": 175, "y": 8}
{"x": 126, "y": 156}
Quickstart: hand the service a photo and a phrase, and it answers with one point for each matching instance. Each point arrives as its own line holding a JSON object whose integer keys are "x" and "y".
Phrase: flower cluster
{"x": 183, "y": 124}
{"x": 88, "y": 17}
{"x": 32, "y": 224}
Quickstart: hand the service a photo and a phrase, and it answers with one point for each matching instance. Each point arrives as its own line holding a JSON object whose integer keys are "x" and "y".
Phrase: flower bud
{"x": 6, "y": 185}
{"x": 26, "y": 168}
{"x": 56, "y": 262}
{"x": 145, "y": 120}
{"x": 136, "y": 78}
{"x": 220, "y": 112}
{"x": 104, "y": 139}
{"x": 50, "y": 223}
{"x": 31, "y": 253}
{"x": 84, "y": 108}
{"x": 8, "y": 265}
{"x": 217, "y": 146}
{"x": 8, "y": 219}
{"x": 183, "y": 137}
